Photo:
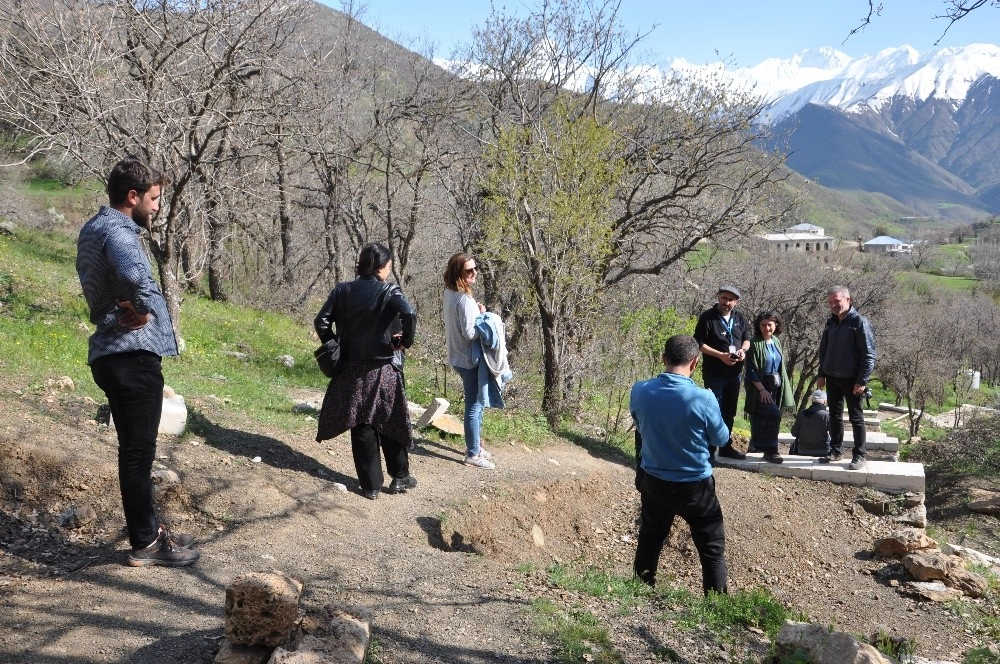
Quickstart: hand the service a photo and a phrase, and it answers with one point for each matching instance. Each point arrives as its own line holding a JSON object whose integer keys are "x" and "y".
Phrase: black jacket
{"x": 712, "y": 332}
{"x": 366, "y": 313}
{"x": 812, "y": 431}
{"x": 847, "y": 349}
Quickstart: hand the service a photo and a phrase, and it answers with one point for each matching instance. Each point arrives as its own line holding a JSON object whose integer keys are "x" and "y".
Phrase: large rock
{"x": 984, "y": 502}
{"x": 340, "y": 635}
{"x": 930, "y": 565}
{"x": 261, "y": 609}
{"x": 820, "y": 645}
{"x": 903, "y": 542}
{"x": 970, "y": 583}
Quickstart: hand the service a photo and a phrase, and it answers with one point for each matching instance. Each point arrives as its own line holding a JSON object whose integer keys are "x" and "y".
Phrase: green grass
{"x": 717, "y": 612}
{"x": 922, "y": 280}
{"x": 578, "y": 633}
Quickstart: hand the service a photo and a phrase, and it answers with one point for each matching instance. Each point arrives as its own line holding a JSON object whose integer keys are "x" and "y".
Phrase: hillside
{"x": 452, "y": 570}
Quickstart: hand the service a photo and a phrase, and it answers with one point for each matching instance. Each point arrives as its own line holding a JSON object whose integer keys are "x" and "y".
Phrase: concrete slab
{"x": 437, "y": 407}
{"x": 794, "y": 466}
{"x": 839, "y": 474}
{"x": 895, "y": 476}
{"x": 875, "y": 440}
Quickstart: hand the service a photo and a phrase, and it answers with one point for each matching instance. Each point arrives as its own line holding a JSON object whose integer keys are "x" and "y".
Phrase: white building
{"x": 884, "y": 244}
{"x": 801, "y": 237}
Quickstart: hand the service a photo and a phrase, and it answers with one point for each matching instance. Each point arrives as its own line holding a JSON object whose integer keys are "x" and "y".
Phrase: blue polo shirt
{"x": 677, "y": 421}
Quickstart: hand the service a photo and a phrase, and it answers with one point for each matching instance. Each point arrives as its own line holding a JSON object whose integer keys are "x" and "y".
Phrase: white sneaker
{"x": 479, "y": 462}
{"x": 486, "y": 455}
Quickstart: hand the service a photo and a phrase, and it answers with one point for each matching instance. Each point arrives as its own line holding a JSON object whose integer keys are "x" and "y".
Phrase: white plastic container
{"x": 173, "y": 419}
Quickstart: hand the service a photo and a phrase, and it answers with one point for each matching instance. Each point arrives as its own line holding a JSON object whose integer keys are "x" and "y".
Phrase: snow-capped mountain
{"x": 829, "y": 77}
{"x": 922, "y": 128}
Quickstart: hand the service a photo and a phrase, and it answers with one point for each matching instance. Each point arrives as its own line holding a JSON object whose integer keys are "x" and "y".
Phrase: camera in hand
{"x": 734, "y": 356}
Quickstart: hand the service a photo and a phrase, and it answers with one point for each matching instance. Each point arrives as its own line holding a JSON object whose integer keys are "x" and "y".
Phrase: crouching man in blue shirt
{"x": 676, "y": 422}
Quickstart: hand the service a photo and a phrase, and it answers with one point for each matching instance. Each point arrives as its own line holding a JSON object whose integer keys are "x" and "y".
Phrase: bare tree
{"x": 690, "y": 168}
{"x": 954, "y": 10}
{"x": 175, "y": 83}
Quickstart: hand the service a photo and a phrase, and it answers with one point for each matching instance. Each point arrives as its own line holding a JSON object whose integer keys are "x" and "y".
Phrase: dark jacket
{"x": 812, "y": 431}
{"x": 712, "y": 332}
{"x": 847, "y": 349}
{"x": 365, "y": 312}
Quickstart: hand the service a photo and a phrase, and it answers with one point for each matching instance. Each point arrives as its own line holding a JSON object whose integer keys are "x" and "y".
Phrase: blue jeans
{"x": 473, "y": 409}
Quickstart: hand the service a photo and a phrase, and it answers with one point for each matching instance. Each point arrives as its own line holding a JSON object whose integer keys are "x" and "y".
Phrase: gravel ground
{"x": 450, "y": 569}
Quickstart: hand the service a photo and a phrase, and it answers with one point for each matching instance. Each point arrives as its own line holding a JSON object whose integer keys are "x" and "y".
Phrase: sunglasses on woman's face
{"x": 471, "y": 270}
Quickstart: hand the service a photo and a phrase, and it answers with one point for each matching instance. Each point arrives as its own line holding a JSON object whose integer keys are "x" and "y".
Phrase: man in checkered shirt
{"x": 133, "y": 333}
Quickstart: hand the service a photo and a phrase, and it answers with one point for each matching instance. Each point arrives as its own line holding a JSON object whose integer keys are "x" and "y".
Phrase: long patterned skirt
{"x": 366, "y": 392}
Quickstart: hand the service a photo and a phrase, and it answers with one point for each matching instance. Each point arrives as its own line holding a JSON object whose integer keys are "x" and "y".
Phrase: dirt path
{"x": 71, "y": 598}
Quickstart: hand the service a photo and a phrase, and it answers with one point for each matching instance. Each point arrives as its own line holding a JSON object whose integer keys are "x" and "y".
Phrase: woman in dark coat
{"x": 767, "y": 387}
{"x": 367, "y": 395}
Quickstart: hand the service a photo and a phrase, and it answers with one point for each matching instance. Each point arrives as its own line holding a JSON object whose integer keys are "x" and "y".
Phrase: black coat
{"x": 366, "y": 313}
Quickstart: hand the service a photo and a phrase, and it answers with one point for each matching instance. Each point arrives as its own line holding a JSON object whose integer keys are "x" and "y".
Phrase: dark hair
{"x": 779, "y": 322}
{"x": 132, "y": 175}
{"x": 373, "y": 257}
{"x": 454, "y": 273}
{"x": 679, "y": 350}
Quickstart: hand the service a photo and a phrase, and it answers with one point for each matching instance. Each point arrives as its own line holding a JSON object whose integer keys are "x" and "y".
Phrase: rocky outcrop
{"x": 263, "y": 626}
{"x": 937, "y": 576}
{"x": 820, "y": 645}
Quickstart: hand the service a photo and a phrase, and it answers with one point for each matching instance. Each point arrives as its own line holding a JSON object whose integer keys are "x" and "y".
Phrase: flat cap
{"x": 729, "y": 289}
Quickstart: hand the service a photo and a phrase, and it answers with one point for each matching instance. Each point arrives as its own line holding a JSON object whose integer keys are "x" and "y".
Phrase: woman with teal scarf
{"x": 767, "y": 387}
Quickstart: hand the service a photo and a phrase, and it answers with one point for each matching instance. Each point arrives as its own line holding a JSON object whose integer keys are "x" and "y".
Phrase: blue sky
{"x": 743, "y": 32}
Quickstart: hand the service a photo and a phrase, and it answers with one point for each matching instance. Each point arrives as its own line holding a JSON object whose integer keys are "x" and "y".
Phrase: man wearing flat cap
{"x": 723, "y": 333}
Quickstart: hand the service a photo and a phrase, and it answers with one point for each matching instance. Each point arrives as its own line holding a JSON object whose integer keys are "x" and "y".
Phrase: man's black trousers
{"x": 696, "y": 503}
{"x": 838, "y": 391}
{"x": 133, "y": 383}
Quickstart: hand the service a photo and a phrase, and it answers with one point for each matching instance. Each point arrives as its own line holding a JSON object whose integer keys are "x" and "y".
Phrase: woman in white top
{"x": 460, "y": 311}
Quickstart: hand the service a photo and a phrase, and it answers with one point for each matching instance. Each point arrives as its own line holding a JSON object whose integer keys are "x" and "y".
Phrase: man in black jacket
{"x": 723, "y": 334}
{"x": 846, "y": 360}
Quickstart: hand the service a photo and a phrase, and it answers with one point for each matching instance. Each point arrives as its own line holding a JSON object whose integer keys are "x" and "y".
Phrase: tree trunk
{"x": 553, "y": 386}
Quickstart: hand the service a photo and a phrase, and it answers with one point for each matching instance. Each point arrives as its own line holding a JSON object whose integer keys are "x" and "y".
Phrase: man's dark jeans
{"x": 695, "y": 502}
{"x": 365, "y": 444}
{"x": 727, "y": 392}
{"x": 839, "y": 390}
{"x": 133, "y": 383}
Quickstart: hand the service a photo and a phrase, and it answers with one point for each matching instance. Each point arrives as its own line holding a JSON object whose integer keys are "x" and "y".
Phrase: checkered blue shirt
{"x": 112, "y": 266}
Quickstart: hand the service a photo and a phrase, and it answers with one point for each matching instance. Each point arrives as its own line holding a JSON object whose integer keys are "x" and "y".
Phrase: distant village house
{"x": 801, "y": 237}
{"x": 890, "y": 246}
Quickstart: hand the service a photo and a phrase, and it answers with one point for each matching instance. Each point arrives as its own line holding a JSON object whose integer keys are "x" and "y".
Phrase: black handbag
{"x": 328, "y": 357}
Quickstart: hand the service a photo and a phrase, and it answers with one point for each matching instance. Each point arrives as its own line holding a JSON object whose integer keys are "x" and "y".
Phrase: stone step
{"x": 874, "y": 440}
{"x": 882, "y": 475}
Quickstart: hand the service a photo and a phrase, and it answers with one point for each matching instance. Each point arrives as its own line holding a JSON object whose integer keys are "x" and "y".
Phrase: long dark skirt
{"x": 366, "y": 392}
{"x": 764, "y": 424}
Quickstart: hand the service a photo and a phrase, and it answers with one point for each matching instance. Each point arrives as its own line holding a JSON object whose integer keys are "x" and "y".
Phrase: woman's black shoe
{"x": 370, "y": 495}
{"x": 401, "y": 484}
